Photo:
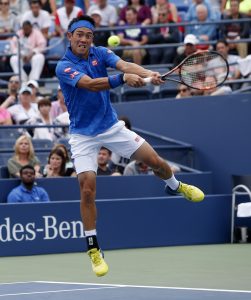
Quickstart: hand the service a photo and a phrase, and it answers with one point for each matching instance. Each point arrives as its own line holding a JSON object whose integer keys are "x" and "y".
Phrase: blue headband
{"x": 81, "y": 23}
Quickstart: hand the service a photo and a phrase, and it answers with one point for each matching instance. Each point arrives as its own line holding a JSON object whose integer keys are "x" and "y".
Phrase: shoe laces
{"x": 96, "y": 258}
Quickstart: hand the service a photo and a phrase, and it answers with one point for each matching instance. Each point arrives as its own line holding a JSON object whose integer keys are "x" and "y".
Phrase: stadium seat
{"x": 129, "y": 93}
{"x": 4, "y": 173}
{"x": 168, "y": 90}
{"x": 9, "y": 133}
{"x": 53, "y": 54}
{"x": 182, "y": 5}
{"x": 4, "y": 46}
{"x": 7, "y": 144}
{"x": 42, "y": 144}
{"x": 4, "y": 157}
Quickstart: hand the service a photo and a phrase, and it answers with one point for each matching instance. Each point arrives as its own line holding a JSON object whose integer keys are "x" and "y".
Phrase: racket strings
{"x": 204, "y": 71}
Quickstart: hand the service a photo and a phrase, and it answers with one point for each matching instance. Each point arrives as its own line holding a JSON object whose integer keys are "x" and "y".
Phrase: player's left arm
{"x": 129, "y": 68}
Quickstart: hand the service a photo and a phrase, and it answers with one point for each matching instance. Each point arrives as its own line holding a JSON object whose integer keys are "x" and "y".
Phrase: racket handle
{"x": 148, "y": 80}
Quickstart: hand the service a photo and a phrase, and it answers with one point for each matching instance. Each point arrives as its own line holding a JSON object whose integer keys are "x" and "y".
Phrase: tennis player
{"x": 93, "y": 122}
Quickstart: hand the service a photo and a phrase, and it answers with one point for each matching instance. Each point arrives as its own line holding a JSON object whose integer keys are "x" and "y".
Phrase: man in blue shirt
{"x": 93, "y": 122}
{"x": 27, "y": 192}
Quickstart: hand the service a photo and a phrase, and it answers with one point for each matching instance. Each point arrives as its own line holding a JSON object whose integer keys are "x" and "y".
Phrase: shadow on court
{"x": 77, "y": 291}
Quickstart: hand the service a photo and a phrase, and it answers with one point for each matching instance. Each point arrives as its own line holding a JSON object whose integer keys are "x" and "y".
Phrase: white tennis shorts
{"x": 118, "y": 139}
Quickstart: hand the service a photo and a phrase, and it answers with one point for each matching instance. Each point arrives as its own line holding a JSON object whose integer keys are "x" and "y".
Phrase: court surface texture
{"x": 221, "y": 272}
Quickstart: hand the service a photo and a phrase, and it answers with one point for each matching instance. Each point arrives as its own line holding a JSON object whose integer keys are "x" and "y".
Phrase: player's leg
{"x": 84, "y": 152}
{"x": 160, "y": 167}
{"x": 87, "y": 183}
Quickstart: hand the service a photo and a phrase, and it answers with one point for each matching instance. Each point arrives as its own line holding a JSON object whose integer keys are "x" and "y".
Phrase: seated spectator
{"x": 49, "y": 5}
{"x": 24, "y": 155}
{"x": 33, "y": 84}
{"x": 163, "y": 35}
{"x": 103, "y": 159}
{"x": 190, "y": 47}
{"x": 133, "y": 37}
{"x": 234, "y": 71}
{"x": 245, "y": 7}
{"x": 11, "y": 97}
{"x": 5, "y": 117}
{"x": 109, "y": 13}
{"x": 33, "y": 44}
{"x": 234, "y": 31}
{"x": 69, "y": 167}
{"x": 39, "y": 18}
{"x": 58, "y": 107}
{"x": 117, "y": 162}
{"x": 19, "y": 7}
{"x": 137, "y": 168}
{"x": 56, "y": 165}
{"x": 43, "y": 118}
{"x": 220, "y": 90}
{"x": 143, "y": 12}
{"x": 184, "y": 91}
{"x": 28, "y": 191}
{"x": 164, "y": 5}
{"x": 25, "y": 110}
{"x": 64, "y": 15}
{"x": 8, "y": 20}
{"x": 100, "y": 37}
{"x": 191, "y": 14}
{"x": 204, "y": 33}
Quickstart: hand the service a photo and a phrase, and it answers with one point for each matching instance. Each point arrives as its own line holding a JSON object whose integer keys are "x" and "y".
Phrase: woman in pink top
{"x": 5, "y": 117}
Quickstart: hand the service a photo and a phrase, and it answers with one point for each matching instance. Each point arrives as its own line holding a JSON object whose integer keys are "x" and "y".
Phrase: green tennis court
{"x": 185, "y": 272}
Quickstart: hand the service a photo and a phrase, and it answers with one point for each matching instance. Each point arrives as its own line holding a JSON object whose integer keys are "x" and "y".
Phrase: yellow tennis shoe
{"x": 99, "y": 266}
{"x": 190, "y": 192}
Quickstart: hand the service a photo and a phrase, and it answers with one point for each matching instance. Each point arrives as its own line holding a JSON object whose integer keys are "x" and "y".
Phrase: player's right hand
{"x": 133, "y": 80}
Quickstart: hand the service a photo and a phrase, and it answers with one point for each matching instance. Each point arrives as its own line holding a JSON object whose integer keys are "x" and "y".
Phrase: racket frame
{"x": 179, "y": 66}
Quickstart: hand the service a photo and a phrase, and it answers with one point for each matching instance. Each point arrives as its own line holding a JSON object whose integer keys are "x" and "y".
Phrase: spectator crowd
{"x": 29, "y": 29}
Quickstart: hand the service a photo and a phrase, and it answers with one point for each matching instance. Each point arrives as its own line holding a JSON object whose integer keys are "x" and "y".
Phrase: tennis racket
{"x": 202, "y": 70}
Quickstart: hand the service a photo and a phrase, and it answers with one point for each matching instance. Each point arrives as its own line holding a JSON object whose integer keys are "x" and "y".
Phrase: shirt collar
{"x": 69, "y": 54}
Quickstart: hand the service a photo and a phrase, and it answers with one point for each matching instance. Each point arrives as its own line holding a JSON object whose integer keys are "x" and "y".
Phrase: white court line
{"x": 18, "y": 282}
{"x": 58, "y": 291}
{"x": 149, "y": 287}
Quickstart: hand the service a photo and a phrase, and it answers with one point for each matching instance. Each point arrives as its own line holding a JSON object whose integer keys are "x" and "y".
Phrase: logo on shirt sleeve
{"x": 72, "y": 75}
{"x": 67, "y": 70}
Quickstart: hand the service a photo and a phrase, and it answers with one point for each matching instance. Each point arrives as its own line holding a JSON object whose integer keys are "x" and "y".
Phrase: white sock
{"x": 90, "y": 232}
{"x": 172, "y": 182}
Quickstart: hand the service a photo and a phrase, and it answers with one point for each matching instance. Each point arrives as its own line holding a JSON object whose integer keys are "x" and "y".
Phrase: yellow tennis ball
{"x": 113, "y": 41}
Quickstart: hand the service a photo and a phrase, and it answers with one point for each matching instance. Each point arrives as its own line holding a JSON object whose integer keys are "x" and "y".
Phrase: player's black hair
{"x": 27, "y": 167}
{"x": 81, "y": 18}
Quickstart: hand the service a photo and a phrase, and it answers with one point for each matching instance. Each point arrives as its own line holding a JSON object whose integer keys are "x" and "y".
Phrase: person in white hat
{"x": 33, "y": 84}
{"x": 190, "y": 43}
{"x": 25, "y": 109}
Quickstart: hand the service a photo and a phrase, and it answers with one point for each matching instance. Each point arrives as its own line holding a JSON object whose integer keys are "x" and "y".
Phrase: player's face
{"x": 81, "y": 40}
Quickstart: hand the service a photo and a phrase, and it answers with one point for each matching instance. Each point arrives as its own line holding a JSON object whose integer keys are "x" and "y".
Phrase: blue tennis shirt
{"x": 90, "y": 113}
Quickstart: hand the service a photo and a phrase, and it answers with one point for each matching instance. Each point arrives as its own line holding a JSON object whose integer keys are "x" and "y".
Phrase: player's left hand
{"x": 156, "y": 78}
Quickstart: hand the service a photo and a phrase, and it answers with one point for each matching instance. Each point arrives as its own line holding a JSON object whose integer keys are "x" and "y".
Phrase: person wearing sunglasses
{"x": 10, "y": 98}
{"x": 184, "y": 91}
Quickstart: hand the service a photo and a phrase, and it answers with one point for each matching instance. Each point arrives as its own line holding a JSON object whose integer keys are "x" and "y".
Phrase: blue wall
{"x": 109, "y": 187}
{"x": 218, "y": 127}
{"x": 27, "y": 229}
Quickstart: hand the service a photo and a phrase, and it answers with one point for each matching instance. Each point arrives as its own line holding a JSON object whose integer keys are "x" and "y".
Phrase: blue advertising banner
{"x": 56, "y": 227}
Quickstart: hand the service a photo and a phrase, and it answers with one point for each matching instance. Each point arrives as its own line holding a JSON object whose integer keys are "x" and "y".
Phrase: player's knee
{"x": 88, "y": 196}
